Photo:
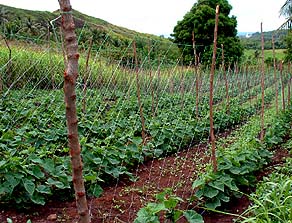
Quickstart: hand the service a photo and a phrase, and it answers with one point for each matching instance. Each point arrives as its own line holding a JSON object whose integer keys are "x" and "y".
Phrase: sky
{"x": 160, "y": 16}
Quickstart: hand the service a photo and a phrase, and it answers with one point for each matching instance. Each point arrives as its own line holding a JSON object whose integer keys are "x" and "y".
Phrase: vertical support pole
{"x": 275, "y": 74}
{"x": 289, "y": 83}
{"x": 282, "y": 85}
{"x": 225, "y": 79}
{"x": 196, "y": 75}
{"x": 139, "y": 94}
{"x": 262, "y": 86}
{"x": 151, "y": 79}
{"x": 86, "y": 76}
{"x": 70, "y": 76}
{"x": 212, "y": 135}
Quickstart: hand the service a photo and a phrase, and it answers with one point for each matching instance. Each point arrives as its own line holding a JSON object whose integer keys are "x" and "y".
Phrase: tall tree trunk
{"x": 70, "y": 75}
{"x": 212, "y": 135}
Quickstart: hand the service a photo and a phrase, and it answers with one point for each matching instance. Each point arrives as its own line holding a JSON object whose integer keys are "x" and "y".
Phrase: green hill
{"x": 254, "y": 41}
{"x": 41, "y": 26}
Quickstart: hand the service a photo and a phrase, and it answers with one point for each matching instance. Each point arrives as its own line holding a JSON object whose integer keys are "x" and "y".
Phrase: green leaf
{"x": 197, "y": 183}
{"x": 193, "y": 217}
{"x": 137, "y": 140}
{"x": 95, "y": 190}
{"x": 56, "y": 183}
{"x": 213, "y": 203}
{"x": 2, "y": 162}
{"x": 210, "y": 192}
{"x": 217, "y": 185}
{"x": 177, "y": 214}
{"x": 143, "y": 216}
{"x": 36, "y": 170}
{"x": 155, "y": 208}
{"x": 9, "y": 220}
{"x": 38, "y": 199}
{"x": 43, "y": 189}
{"x": 29, "y": 186}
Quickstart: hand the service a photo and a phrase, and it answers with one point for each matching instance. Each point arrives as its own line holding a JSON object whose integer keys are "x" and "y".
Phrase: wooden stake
{"x": 139, "y": 94}
{"x": 282, "y": 85}
{"x": 262, "y": 87}
{"x": 86, "y": 75}
{"x": 289, "y": 83}
{"x": 225, "y": 79}
{"x": 70, "y": 76}
{"x": 275, "y": 75}
{"x": 212, "y": 135}
{"x": 196, "y": 75}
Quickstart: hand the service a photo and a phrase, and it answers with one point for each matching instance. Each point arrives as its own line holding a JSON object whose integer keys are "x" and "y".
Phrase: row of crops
{"x": 33, "y": 137}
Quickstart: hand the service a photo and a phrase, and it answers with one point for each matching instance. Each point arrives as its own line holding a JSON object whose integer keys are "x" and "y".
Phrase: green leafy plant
{"x": 166, "y": 207}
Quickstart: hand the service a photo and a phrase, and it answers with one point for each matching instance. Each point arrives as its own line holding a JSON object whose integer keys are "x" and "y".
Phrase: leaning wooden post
{"x": 275, "y": 74}
{"x": 212, "y": 135}
{"x": 139, "y": 94}
{"x": 262, "y": 86}
{"x": 70, "y": 76}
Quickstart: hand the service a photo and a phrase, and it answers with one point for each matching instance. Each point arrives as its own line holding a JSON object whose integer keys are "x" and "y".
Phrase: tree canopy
{"x": 201, "y": 20}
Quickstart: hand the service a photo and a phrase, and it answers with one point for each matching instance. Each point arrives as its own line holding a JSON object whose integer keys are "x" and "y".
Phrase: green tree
{"x": 201, "y": 20}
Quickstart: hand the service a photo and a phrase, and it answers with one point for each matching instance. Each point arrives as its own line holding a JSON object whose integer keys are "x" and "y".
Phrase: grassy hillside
{"x": 254, "y": 41}
{"x": 41, "y": 26}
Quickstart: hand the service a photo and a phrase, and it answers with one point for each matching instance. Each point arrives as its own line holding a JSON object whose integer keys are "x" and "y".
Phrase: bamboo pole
{"x": 212, "y": 135}
{"x": 70, "y": 76}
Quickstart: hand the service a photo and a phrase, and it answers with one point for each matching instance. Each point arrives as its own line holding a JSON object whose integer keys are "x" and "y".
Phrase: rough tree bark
{"x": 212, "y": 135}
{"x": 70, "y": 75}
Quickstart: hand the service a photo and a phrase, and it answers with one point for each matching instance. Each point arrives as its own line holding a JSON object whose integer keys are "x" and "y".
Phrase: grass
{"x": 249, "y": 54}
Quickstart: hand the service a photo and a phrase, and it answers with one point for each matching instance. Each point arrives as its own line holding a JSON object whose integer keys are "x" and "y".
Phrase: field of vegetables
{"x": 35, "y": 165}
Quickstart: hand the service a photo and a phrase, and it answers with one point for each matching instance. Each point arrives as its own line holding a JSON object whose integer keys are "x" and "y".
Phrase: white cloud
{"x": 160, "y": 16}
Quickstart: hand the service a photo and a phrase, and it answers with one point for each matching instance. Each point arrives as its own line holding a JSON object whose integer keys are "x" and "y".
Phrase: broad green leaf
{"x": 2, "y": 162}
{"x": 36, "y": 170}
{"x": 55, "y": 183}
{"x": 177, "y": 214}
{"x": 143, "y": 216}
{"x": 38, "y": 199}
{"x": 193, "y": 217}
{"x": 213, "y": 203}
{"x": 217, "y": 185}
{"x": 210, "y": 192}
{"x": 155, "y": 208}
{"x": 95, "y": 190}
{"x": 43, "y": 189}
{"x": 29, "y": 186}
{"x": 9, "y": 220}
{"x": 197, "y": 183}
